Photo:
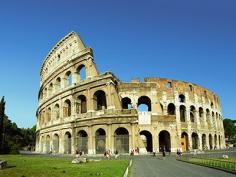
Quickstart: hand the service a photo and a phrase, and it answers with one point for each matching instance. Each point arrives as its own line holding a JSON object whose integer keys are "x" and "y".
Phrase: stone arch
{"x": 126, "y": 103}
{"x": 171, "y": 109}
{"x": 182, "y": 111}
{"x": 201, "y": 113}
{"x": 67, "y": 108}
{"x": 67, "y": 143}
{"x": 144, "y": 104}
{"x": 50, "y": 89}
{"x": 182, "y": 98}
{"x": 45, "y": 92}
{"x": 48, "y": 144}
{"x": 57, "y": 111}
{"x": 100, "y": 102}
{"x": 195, "y": 141}
{"x": 82, "y": 141}
{"x": 192, "y": 113}
{"x": 121, "y": 138}
{"x": 164, "y": 141}
{"x": 208, "y": 115}
{"x": 210, "y": 142}
{"x": 204, "y": 143}
{"x": 58, "y": 85}
{"x": 68, "y": 79}
{"x": 81, "y": 106}
{"x": 219, "y": 140}
{"x": 215, "y": 143}
{"x": 100, "y": 141}
{"x": 184, "y": 142}
{"x": 56, "y": 143}
{"x": 146, "y": 138}
{"x": 42, "y": 141}
{"x": 213, "y": 116}
{"x": 81, "y": 73}
{"x": 49, "y": 114}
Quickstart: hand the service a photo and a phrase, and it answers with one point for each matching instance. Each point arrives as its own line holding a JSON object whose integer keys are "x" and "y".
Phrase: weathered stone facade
{"x": 100, "y": 112}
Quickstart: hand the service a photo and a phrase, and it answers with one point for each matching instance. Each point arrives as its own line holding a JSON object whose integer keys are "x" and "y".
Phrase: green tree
{"x": 2, "y": 115}
{"x": 230, "y": 129}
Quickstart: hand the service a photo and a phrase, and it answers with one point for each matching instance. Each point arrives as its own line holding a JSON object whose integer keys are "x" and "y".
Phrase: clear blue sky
{"x": 187, "y": 40}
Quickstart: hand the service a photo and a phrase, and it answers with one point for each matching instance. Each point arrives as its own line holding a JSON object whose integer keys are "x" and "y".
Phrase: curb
{"x": 127, "y": 169}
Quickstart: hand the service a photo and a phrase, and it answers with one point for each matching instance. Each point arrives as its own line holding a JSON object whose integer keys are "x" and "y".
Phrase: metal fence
{"x": 213, "y": 159}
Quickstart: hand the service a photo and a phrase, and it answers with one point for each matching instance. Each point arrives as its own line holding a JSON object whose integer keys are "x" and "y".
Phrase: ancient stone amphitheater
{"x": 83, "y": 110}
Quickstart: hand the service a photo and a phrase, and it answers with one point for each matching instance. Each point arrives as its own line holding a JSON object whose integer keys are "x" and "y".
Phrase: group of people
{"x": 134, "y": 151}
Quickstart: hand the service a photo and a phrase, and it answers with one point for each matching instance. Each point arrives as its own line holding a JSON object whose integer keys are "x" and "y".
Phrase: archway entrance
{"x": 204, "y": 146}
{"x": 100, "y": 141}
{"x": 82, "y": 142}
{"x": 56, "y": 143}
{"x": 146, "y": 137}
{"x": 210, "y": 142}
{"x": 67, "y": 143}
{"x": 194, "y": 141}
{"x": 48, "y": 144}
{"x": 164, "y": 141}
{"x": 121, "y": 140}
{"x": 184, "y": 142}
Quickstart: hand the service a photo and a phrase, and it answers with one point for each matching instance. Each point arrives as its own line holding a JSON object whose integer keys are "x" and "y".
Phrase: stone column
{"x": 61, "y": 142}
{"x": 90, "y": 107}
{"x": 207, "y": 141}
{"x": 90, "y": 141}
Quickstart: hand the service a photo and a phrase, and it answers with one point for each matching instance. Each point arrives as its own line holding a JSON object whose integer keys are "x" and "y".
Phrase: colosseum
{"x": 83, "y": 110}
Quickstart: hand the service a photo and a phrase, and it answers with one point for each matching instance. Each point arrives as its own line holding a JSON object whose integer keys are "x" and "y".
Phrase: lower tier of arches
{"x": 124, "y": 138}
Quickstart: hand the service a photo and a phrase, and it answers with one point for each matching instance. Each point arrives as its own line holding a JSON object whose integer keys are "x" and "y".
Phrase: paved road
{"x": 145, "y": 166}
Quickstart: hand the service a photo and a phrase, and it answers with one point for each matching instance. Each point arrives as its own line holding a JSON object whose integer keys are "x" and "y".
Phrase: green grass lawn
{"x": 34, "y": 166}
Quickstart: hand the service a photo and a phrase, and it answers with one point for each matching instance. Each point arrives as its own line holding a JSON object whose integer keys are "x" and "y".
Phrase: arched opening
{"x": 81, "y": 105}
{"x": 146, "y": 137}
{"x": 194, "y": 141}
{"x": 67, "y": 108}
{"x": 164, "y": 141}
{"x": 56, "y": 143}
{"x": 210, "y": 142}
{"x": 58, "y": 84}
{"x": 49, "y": 113}
{"x": 204, "y": 145}
{"x": 121, "y": 138}
{"x": 212, "y": 105}
{"x": 100, "y": 102}
{"x": 67, "y": 143}
{"x": 45, "y": 93}
{"x": 50, "y": 89}
{"x": 215, "y": 145}
{"x": 171, "y": 109}
{"x": 181, "y": 98}
{"x": 144, "y": 104}
{"x": 68, "y": 79}
{"x": 201, "y": 113}
{"x": 82, "y": 142}
{"x": 213, "y": 116}
{"x": 219, "y": 142}
{"x": 57, "y": 111}
{"x": 208, "y": 115}
{"x": 100, "y": 141}
{"x": 192, "y": 113}
{"x": 42, "y": 143}
{"x": 81, "y": 73}
{"x": 126, "y": 103}
{"x": 184, "y": 142}
{"x": 182, "y": 111}
{"x": 48, "y": 144}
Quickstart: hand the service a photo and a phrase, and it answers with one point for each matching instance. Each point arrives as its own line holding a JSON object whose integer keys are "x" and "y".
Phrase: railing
{"x": 215, "y": 163}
